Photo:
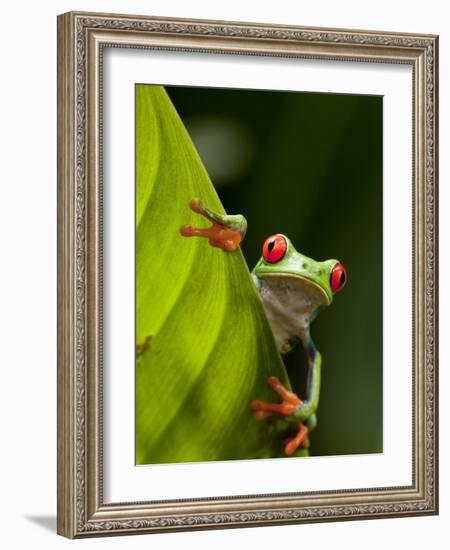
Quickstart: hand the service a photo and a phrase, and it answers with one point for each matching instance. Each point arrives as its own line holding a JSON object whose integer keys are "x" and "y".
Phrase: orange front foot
{"x": 218, "y": 236}
{"x": 226, "y": 232}
{"x": 289, "y": 405}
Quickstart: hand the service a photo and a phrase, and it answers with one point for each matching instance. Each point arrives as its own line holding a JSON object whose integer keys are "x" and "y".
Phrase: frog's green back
{"x": 211, "y": 349}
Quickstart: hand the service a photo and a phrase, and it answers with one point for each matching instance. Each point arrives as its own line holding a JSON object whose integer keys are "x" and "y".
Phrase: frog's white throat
{"x": 290, "y": 303}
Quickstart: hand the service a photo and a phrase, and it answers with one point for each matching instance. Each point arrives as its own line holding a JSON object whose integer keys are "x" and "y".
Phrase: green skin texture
{"x": 313, "y": 278}
{"x": 309, "y": 281}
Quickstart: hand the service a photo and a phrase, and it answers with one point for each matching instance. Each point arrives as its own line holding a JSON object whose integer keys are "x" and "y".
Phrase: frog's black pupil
{"x": 271, "y": 245}
{"x": 342, "y": 279}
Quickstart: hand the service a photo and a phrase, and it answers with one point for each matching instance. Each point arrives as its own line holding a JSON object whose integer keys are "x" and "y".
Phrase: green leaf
{"x": 211, "y": 349}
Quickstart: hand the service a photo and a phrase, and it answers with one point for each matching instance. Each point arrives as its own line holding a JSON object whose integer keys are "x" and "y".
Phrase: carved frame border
{"x": 81, "y": 38}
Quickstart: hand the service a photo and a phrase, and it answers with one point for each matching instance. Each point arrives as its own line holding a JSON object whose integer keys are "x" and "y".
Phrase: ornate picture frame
{"x": 82, "y": 39}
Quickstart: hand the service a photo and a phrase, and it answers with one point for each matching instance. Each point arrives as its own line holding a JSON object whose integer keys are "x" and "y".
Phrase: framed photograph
{"x": 247, "y": 287}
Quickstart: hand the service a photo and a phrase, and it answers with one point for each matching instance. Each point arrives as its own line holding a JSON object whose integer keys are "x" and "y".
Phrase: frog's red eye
{"x": 274, "y": 248}
{"x": 338, "y": 277}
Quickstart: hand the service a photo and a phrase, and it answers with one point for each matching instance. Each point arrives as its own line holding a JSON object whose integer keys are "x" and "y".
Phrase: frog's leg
{"x": 226, "y": 231}
{"x": 309, "y": 406}
{"x": 292, "y": 407}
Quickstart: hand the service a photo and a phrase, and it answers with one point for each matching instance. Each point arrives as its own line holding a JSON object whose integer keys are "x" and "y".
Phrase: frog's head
{"x": 293, "y": 287}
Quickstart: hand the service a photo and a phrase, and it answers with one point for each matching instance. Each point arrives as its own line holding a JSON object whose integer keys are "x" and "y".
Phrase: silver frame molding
{"x": 81, "y": 39}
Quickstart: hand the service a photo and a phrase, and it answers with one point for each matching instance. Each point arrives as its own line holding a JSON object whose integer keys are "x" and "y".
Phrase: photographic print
{"x": 247, "y": 289}
{"x": 258, "y": 274}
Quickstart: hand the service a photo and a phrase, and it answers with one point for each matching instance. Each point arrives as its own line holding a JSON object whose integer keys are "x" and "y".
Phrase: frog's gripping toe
{"x": 300, "y": 440}
{"x": 226, "y": 232}
{"x": 289, "y": 405}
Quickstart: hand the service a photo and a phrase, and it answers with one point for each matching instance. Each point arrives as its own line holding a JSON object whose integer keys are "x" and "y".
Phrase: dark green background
{"x": 310, "y": 166}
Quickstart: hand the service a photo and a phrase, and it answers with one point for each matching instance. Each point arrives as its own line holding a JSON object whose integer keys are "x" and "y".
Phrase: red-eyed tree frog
{"x": 293, "y": 290}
